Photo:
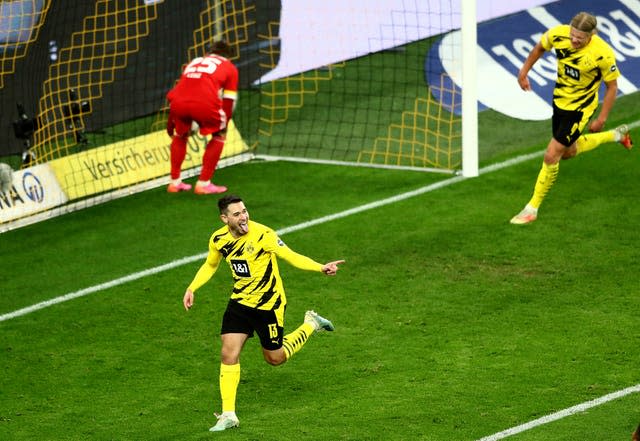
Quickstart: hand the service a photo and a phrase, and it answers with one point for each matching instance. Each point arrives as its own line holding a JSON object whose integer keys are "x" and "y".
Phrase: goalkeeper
{"x": 584, "y": 61}
{"x": 258, "y": 300}
{"x": 205, "y": 94}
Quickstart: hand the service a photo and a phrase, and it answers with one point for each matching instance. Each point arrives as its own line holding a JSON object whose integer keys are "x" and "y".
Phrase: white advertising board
{"x": 316, "y": 33}
{"x": 34, "y": 189}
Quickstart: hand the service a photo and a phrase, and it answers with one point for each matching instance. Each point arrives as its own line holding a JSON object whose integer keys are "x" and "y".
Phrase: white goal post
{"x": 470, "y": 89}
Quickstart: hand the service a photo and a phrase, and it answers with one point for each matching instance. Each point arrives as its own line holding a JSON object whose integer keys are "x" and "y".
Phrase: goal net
{"x": 348, "y": 82}
{"x": 83, "y": 86}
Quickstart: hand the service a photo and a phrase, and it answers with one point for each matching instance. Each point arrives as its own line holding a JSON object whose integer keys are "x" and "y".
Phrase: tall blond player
{"x": 584, "y": 61}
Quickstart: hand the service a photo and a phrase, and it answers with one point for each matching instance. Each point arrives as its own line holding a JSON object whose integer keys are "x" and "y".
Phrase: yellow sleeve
{"x": 608, "y": 67}
{"x": 295, "y": 259}
{"x": 545, "y": 41}
{"x": 207, "y": 270}
{"x": 547, "y": 38}
{"x": 298, "y": 260}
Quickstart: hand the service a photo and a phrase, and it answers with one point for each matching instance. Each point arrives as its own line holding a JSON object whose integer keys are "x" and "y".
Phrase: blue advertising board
{"x": 504, "y": 43}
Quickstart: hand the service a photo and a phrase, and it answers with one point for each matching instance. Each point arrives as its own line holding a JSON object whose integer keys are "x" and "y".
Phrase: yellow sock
{"x": 546, "y": 178}
{"x": 294, "y": 341}
{"x": 229, "y": 379}
{"x": 593, "y": 140}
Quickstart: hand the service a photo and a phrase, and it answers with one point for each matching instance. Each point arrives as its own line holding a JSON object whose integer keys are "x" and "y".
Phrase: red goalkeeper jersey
{"x": 205, "y": 83}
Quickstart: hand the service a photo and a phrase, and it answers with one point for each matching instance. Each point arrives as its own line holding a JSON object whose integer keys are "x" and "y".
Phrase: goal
{"x": 84, "y": 82}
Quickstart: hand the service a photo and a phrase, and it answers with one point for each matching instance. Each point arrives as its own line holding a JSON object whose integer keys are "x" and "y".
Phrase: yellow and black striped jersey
{"x": 581, "y": 71}
{"x": 253, "y": 261}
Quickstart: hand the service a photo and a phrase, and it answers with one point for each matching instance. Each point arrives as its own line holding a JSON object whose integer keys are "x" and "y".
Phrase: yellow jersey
{"x": 254, "y": 265}
{"x": 581, "y": 71}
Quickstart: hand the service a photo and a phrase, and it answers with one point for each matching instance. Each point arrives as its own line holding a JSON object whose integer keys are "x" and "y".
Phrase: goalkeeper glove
{"x": 170, "y": 126}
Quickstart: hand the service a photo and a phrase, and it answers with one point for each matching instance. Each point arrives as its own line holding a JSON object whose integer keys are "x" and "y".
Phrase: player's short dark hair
{"x": 221, "y": 47}
{"x": 227, "y": 200}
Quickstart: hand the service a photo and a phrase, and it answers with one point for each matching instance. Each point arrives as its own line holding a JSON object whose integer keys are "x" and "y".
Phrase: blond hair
{"x": 585, "y": 22}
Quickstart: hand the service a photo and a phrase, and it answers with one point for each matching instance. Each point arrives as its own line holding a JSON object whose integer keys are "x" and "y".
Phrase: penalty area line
{"x": 562, "y": 413}
{"x": 185, "y": 260}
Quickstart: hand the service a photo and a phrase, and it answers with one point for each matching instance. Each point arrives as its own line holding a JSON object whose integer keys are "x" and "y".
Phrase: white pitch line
{"x": 102, "y": 286}
{"x": 562, "y": 413}
{"x": 302, "y": 226}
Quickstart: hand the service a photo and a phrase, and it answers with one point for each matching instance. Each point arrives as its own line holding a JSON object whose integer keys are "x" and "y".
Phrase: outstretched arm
{"x": 300, "y": 261}
{"x": 306, "y": 263}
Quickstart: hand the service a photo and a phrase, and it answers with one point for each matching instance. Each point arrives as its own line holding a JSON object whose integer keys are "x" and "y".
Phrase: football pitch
{"x": 451, "y": 324}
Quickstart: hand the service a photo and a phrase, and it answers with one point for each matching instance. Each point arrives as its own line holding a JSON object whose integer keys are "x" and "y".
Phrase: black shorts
{"x": 245, "y": 320}
{"x": 565, "y": 125}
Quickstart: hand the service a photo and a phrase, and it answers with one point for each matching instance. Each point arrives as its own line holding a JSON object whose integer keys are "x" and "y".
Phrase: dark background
{"x": 139, "y": 89}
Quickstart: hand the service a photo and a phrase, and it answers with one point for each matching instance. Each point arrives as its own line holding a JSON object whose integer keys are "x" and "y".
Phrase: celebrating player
{"x": 258, "y": 299}
{"x": 584, "y": 61}
{"x": 205, "y": 94}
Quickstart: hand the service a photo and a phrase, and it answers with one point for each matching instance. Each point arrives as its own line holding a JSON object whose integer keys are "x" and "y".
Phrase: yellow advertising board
{"x": 131, "y": 161}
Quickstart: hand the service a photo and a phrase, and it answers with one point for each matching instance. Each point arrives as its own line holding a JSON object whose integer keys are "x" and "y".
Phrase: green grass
{"x": 451, "y": 323}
